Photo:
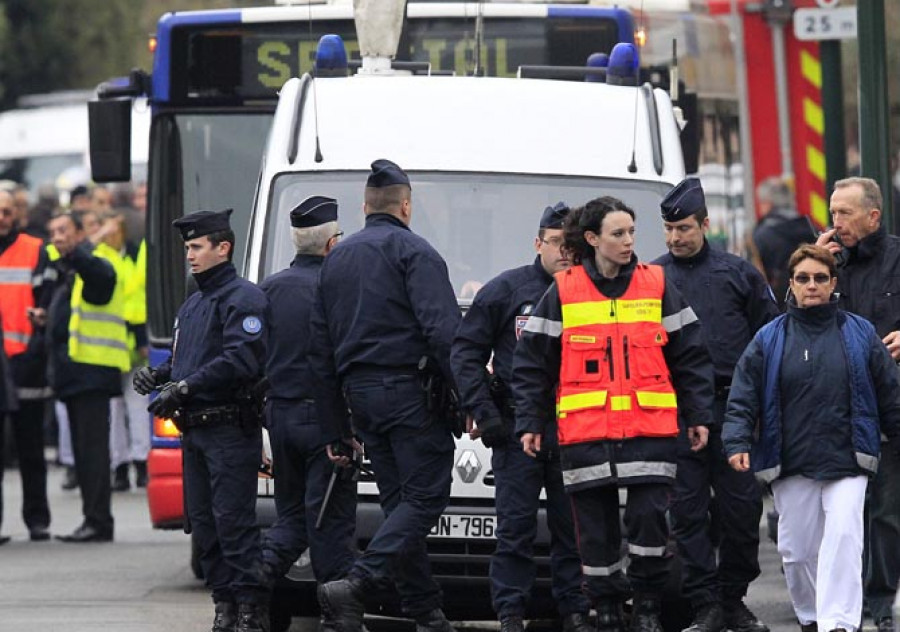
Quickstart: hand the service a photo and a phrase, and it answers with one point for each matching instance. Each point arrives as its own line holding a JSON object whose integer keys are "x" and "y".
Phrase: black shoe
{"x": 140, "y": 473}
{"x": 609, "y": 616}
{"x": 70, "y": 481}
{"x": 885, "y": 624}
{"x": 433, "y": 621}
{"x": 39, "y": 534}
{"x": 576, "y": 622}
{"x": 645, "y": 616}
{"x": 512, "y": 623}
{"x": 809, "y": 627}
{"x": 739, "y": 618}
{"x": 252, "y": 618}
{"x": 86, "y": 533}
{"x": 120, "y": 482}
{"x": 226, "y": 617}
{"x": 342, "y": 605}
{"x": 4, "y": 539}
{"x": 708, "y": 618}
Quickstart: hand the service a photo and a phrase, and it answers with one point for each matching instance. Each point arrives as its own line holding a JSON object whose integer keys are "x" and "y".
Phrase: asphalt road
{"x": 142, "y": 581}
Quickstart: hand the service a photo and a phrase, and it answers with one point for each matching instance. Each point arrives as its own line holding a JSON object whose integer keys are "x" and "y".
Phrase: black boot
{"x": 120, "y": 482}
{"x": 708, "y": 618}
{"x": 140, "y": 473}
{"x": 226, "y": 617}
{"x": 512, "y": 623}
{"x": 70, "y": 481}
{"x": 433, "y": 621}
{"x": 645, "y": 617}
{"x": 739, "y": 618}
{"x": 576, "y": 622}
{"x": 609, "y": 616}
{"x": 252, "y": 618}
{"x": 342, "y": 606}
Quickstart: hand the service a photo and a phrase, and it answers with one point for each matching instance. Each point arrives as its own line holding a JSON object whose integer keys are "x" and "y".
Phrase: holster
{"x": 442, "y": 400}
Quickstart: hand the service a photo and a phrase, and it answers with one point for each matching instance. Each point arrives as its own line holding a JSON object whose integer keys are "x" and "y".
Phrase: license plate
{"x": 465, "y": 526}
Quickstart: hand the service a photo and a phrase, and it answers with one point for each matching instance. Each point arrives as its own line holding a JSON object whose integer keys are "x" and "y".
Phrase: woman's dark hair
{"x": 817, "y": 253}
{"x": 589, "y": 217}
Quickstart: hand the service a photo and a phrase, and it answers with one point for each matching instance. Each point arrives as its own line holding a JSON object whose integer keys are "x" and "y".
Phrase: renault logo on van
{"x": 468, "y": 466}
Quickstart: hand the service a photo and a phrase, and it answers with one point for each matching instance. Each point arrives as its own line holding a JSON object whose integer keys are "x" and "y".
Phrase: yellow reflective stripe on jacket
{"x": 652, "y": 399}
{"x": 611, "y": 312}
{"x": 136, "y": 287}
{"x": 578, "y": 401}
{"x": 97, "y": 333}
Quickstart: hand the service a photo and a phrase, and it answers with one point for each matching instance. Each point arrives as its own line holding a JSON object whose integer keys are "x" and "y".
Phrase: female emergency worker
{"x": 615, "y": 350}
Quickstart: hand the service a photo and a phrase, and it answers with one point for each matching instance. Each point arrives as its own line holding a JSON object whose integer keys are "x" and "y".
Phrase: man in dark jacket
{"x": 88, "y": 352}
{"x": 869, "y": 285}
{"x": 732, "y": 301}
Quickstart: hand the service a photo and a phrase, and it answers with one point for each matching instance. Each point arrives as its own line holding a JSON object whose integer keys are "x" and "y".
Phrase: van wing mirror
{"x": 109, "y": 123}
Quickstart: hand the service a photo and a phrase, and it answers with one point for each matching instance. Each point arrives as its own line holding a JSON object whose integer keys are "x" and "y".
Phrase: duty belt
{"x": 217, "y": 416}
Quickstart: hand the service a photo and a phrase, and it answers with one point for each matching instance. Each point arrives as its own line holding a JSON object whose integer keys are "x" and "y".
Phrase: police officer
{"x": 385, "y": 302}
{"x": 301, "y": 466}
{"x": 493, "y": 324}
{"x": 732, "y": 301}
{"x": 218, "y": 351}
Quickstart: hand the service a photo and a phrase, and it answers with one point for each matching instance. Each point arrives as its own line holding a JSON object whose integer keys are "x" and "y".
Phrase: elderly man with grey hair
{"x": 869, "y": 285}
{"x": 301, "y": 466}
{"x": 779, "y": 231}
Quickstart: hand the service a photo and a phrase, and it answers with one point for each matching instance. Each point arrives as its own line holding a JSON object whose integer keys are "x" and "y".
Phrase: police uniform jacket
{"x": 495, "y": 322}
{"x": 869, "y": 280}
{"x": 70, "y": 378}
{"x": 384, "y": 301}
{"x": 218, "y": 343}
{"x": 536, "y": 369}
{"x": 291, "y": 293}
{"x": 730, "y": 297}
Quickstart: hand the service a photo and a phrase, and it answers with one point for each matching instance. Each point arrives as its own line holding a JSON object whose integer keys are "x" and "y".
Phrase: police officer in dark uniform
{"x": 733, "y": 301}
{"x": 301, "y": 466}
{"x": 493, "y": 324}
{"x": 218, "y": 355}
{"x": 385, "y": 302}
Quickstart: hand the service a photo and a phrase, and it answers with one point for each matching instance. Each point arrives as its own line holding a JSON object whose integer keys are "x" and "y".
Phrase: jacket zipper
{"x": 625, "y": 353}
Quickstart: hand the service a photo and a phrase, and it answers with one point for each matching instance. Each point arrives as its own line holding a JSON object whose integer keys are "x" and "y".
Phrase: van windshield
{"x": 37, "y": 170}
{"x": 482, "y": 224}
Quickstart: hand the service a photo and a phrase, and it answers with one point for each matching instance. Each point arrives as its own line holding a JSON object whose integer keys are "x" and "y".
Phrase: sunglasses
{"x": 820, "y": 279}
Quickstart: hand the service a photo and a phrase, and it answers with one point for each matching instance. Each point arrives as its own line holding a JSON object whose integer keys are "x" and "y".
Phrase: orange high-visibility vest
{"x": 614, "y": 382}
{"x": 17, "y": 265}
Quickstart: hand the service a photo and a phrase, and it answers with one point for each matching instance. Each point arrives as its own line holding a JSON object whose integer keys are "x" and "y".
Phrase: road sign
{"x": 825, "y": 24}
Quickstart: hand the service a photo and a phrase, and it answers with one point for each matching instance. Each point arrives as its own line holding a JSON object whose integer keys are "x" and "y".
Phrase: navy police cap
{"x": 683, "y": 201}
{"x": 314, "y": 211}
{"x": 203, "y": 223}
{"x": 386, "y": 173}
{"x": 554, "y": 216}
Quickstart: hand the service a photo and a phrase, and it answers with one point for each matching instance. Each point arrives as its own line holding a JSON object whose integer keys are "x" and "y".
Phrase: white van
{"x": 47, "y": 137}
{"x": 484, "y": 156}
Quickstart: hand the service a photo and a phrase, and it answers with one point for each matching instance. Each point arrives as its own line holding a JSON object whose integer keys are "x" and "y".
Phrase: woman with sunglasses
{"x": 824, "y": 388}
{"x": 610, "y": 347}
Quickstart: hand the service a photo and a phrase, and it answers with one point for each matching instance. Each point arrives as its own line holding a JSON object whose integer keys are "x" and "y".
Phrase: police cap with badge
{"x": 314, "y": 211}
{"x": 202, "y": 223}
{"x": 554, "y": 216}
{"x": 386, "y": 173}
{"x": 684, "y": 200}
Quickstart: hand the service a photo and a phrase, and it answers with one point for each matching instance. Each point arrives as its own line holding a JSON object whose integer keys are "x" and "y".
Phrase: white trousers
{"x": 820, "y": 539}
{"x": 64, "y": 435}
{"x": 129, "y": 430}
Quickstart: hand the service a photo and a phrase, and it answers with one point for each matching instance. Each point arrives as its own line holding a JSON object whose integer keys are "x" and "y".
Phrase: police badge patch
{"x": 522, "y": 318}
{"x": 251, "y": 325}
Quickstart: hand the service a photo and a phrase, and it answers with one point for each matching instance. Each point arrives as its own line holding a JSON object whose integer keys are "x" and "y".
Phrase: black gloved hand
{"x": 144, "y": 380}
{"x": 170, "y": 399}
{"x": 493, "y": 432}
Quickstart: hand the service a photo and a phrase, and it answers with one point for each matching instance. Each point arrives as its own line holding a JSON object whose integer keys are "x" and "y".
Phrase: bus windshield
{"x": 480, "y": 226}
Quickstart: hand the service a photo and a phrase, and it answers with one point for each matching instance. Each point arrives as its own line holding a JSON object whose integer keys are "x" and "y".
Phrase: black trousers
{"x": 89, "y": 423}
{"x": 28, "y": 432}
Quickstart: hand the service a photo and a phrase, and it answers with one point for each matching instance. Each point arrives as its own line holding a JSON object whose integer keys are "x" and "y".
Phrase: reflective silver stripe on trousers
{"x": 100, "y": 342}
{"x": 587, "y": 474}
{"x": 674, "y": 322}
{"x": 646, "y": 551}
{"x": 16, "y": 337}
{"x": 99, "y": 317}
{"x": 30, "y": 393}
{"x": 603, "y": 571}
{"x": 538, "y": 325}
{"x": 646, "y": 468}
{"x": 15, "y": 275}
